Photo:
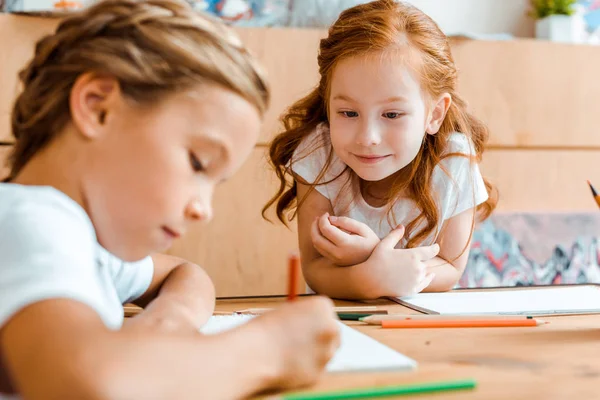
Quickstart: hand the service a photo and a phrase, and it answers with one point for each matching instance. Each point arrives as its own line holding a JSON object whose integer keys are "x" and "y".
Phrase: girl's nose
{"x": 198, "y": 211}
{"x": 368, "y": 136}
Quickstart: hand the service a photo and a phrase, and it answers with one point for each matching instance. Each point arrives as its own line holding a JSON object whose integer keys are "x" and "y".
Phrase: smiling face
{"x": 377, "y": 115}
{"x": 152, "y": 170}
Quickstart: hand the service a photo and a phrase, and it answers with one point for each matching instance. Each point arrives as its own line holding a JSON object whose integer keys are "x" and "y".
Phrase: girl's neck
{"x": 58, "y": 166}
{"x": 376, "y": 193}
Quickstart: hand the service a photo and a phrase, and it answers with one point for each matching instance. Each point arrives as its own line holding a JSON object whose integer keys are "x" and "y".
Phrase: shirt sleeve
{"x": 311, "y": 157}
{"x": 47, "y": 252}
{"x": 132, "y": 279}
{"x": 308, "y": 161}
{"x": 458, "y": 178}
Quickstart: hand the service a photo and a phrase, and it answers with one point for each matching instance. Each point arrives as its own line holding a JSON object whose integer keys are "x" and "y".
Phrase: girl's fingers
{"x": 321, "y": 243}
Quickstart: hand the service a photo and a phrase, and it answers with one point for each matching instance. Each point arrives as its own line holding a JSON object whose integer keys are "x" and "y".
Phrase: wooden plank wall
{"x": 537, "y": 98}
{"x": 540, "y": 101}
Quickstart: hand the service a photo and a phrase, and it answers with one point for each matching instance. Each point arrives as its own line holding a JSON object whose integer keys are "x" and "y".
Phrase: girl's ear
{"x": 92, "y": 100}
{"x": 438, "y": 113}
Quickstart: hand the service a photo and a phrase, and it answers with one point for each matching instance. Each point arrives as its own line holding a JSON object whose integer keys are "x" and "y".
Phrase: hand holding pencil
{"x": 303, "y": 334}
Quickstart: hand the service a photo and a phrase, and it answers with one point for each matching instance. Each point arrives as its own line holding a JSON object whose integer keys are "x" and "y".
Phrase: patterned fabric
{"x": 521, "y": 249}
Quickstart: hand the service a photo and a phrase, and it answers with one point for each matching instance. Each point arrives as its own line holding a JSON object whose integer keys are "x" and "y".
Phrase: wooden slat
{"x": 532, "y": 93}
{"x": 290, "y": 58}
{"x": 543, "y": 180}
{"x": 20, "y": 33}
{"x": 246, "y": 256}
{"x": 243, "y": 254}
{"x": 4, "y": 150}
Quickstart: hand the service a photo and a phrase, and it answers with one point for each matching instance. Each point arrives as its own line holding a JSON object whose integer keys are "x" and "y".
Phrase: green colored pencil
{"x": 384, "y": 391}
{"x": 344, "y": 316}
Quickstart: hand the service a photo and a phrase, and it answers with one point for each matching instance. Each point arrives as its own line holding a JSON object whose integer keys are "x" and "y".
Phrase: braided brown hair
{"x": 152, "y": 48}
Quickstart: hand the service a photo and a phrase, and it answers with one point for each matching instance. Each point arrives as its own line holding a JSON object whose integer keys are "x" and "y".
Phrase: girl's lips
{"x": 171, "y": 232}
{"x": 370, "y": 159}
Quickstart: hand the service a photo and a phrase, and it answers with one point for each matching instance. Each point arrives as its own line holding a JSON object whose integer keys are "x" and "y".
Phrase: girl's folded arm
{"x": 322, "y": 275}
{"x": 455, "y": 242}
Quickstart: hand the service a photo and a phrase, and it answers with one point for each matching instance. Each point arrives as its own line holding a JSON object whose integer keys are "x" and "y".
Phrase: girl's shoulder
{"x": 317, "y": 144}
{"x": 314, "y": 157}
{"x": 41, "y": 211}
{"x": 459, "y": 143}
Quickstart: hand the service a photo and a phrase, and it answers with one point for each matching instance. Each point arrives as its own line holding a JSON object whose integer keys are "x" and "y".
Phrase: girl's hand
{"x": 342, "y": 240}
{"x": 400, "y": 272}
{"x": 303, "y": 337}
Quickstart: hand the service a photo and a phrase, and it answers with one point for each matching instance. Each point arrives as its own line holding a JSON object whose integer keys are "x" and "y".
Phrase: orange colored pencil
{"x": 376, "y": 319}
{"x": 293, "y": 271}
{"x": 594, "y": 193}
{"x": 460, "y": 323}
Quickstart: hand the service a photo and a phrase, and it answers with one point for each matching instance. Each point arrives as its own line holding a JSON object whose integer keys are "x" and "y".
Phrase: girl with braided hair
{"x": 129, "y": 115}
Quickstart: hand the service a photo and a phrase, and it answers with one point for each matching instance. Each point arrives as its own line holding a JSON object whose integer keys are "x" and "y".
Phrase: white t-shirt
{"x": 48, "y": 249}
{"x": 458, "y": 186}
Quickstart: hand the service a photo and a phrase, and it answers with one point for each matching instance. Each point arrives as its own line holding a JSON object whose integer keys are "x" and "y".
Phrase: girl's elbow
{"x": 201, "y": 278}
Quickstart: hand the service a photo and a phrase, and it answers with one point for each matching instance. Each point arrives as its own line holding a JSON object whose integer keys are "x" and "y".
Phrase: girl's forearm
{"x": 168, "y": 366}
{"x": 446, "y": 275}
{"x": 351, "y": 282}
{"x": 180, "y": 368}
{"x": 190, "y": 288}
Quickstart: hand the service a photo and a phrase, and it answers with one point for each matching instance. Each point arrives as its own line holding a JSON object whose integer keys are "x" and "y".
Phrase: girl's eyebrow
{"x": 392, "y": 99}
{"x": 344, "y": 97}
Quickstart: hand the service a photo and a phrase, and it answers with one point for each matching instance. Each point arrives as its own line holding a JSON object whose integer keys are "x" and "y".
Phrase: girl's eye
{"x": 349, "y": 114}
{"x": 195, "y": 163}
{"x": 392, "y": 115}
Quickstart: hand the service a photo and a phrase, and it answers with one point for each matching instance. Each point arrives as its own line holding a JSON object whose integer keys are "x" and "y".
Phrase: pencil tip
{"x": 592, "y": 188}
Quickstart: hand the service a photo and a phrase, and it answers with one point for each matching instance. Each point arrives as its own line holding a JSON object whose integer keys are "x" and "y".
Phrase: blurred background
{"x": 576, "y": 21}
{"x": 529, "y": 69}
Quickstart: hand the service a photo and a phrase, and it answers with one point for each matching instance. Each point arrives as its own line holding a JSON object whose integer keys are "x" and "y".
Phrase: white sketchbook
{"x": 552, "y": 300}
{"x": 357, "y": 351}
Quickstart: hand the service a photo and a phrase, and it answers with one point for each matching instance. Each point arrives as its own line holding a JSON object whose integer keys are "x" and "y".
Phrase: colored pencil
{"x": 376, "y": 319}
{"x": 131, "y": 311}
{"x": 594, "y": 193}
{"x": 352, "y": 316}
{"x": 384, "y": 391}
{"x": 475, "y": 323}
{"x": 293, "y": 271}
{"x": 357, "y": 309}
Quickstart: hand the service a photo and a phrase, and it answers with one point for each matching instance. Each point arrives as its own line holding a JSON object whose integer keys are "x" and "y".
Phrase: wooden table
{"x": 559, "y": 360}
